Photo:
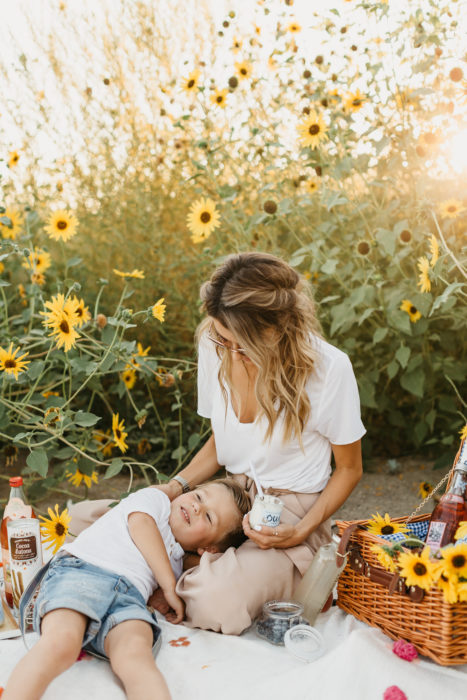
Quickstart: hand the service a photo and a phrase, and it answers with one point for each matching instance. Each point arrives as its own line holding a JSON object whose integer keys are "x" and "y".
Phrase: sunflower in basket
{"x": 418, "y": 569}
{"x": 385, "y": 526}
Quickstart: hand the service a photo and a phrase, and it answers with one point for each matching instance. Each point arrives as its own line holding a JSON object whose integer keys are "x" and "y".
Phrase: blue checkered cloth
{"x": 419, "y": 530}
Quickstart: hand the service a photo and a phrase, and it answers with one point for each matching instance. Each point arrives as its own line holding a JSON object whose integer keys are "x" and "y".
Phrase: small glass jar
{"x": 277, "y": 617}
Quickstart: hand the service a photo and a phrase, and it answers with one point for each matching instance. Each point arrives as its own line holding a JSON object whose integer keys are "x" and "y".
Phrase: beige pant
{"x": 226, "y": 591}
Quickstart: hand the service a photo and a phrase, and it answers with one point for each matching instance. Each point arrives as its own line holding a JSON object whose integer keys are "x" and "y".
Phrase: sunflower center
{"x": 458, "y": 561}
{"x": 205, "y": 217}
{"x": 59, "y": 529}
{"x": 190, "y": 83}
{"x": 451, "y": 208}
{"x": 387, "y": 530}
{"x": 243, "y": 71}
{"x": 79, "y": 312}
{"x": 356, "y": 102}
{"x": 413, "y": 310}
{"x": 10, "y": 363}
{"x": 313, "y": 130}
{"x": 62, "y": 225}
{"x": 118, "y": 434}
{"x": 64, "y": 327}
{"x": 219, "y": 99}
{"x": 419, "y": 569}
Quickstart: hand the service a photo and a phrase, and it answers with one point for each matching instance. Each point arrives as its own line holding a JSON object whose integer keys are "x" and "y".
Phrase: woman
{"x": 281, "y": 398}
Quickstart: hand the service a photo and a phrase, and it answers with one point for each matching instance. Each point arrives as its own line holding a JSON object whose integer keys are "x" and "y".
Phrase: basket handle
{"x": 344, "y": 542}
{"x": 389, "y": 580}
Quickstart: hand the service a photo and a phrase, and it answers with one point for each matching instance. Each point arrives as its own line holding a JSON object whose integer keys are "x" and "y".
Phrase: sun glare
{"x": 456, "y": 151}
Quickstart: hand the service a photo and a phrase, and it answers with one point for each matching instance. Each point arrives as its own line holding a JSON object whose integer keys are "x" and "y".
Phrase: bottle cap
{"x": 16, "y": 481}
{"x": 304, "y": 642}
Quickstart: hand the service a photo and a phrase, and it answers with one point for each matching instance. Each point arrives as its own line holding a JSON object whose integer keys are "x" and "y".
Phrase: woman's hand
{"x": 282, "y": 536}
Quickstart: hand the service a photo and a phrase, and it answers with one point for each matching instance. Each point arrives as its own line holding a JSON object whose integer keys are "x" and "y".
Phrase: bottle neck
{"x": 17, "y": 492}
{"x": 459, "y": 482}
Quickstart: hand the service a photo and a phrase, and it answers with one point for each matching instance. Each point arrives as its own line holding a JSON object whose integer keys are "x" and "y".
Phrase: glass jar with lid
{"x": 276, "y": 618}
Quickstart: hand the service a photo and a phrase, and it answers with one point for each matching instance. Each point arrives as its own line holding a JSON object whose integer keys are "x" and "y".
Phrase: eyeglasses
{"x": 223, "y": 343}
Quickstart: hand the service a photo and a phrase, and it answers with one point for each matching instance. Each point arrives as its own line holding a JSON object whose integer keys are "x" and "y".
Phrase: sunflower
{"x": 448, "y": 585}
{"x": 190, "y": 84}
{"x": 414, "y": 313}
{"x": 424, "y": 281}
{"x": 78, "y": 477}
{"x": 135, "y": 274}
{"x": 80, "y": 312}
{"x": 312, "y": 185}
{"x": 451, "y": 208}
{"x": 384, "y": 526}
{"x": 219, "y": 98}
{"x": 244, "y": 70}
{"x": 142, "y": 352}
{"x": 58, "y": 307}
{"x": 434, "y": 250}
{"x": 384, "y": 558}
{"x": 105, "y": 441}
{"x": 63, "y": 328}
{"x": 354, "y": 101}
{"x": 294, "y": 27}
{"x": 129, "y": 377}
{"x": 13, "y": 159}
{"x": 16, "y": 219}
{"x": 418, "y": 569}
{"x": 454, "y": 560}
{"x": 61, "y": 225}
{"x": 462, "y": 591}
{"x": 11, "y": 364}
{"x": 237, "y": 45}
{"x": 158, "y": 310}
{"x": 118, "y": 428}
{"x": 55, "y": 529}
{"x": 463, "y": 432}
{"x": 363, "y": 248}
{"x": 312, "y": 130}
{"x": 38, "y": 261}
{"x": 424, "y": 489}
{"x": 203, "y": 218}
{"x": 38, "y": 278}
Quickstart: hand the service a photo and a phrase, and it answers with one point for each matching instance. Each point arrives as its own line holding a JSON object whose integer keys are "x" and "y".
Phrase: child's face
{"x": 201, "y": 518}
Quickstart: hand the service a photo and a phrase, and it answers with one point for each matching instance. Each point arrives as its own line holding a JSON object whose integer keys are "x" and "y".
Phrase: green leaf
{"x": 414, "y": 381}
{"x": 387, "y": 240}
{"x": 74, "y": 261}
{"x": 193, "y": 441}
{"x": 439, "y": 301}
{"x": 392, "y": 369}
{"x": 367, "y": 392}
{"x": 35, "y": 369}
{"x": 21, "y": 436}
{"x": 85, "y": 419}
{"x": 86, "y": 466}
{"x": 379, "y": 335}
{"x": 178, "y": 453}
{"x": 38, "y": 461}
{"x": 402, "y": 355}
{"x": 365, "y": 315}
{"x": 115, "y": 467}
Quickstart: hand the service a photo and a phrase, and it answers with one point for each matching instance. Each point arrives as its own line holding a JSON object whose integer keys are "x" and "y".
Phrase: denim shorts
{"x": 103, "y": 596}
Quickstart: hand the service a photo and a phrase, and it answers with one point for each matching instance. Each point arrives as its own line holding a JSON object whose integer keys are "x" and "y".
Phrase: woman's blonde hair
{"x": 268, "y": 308}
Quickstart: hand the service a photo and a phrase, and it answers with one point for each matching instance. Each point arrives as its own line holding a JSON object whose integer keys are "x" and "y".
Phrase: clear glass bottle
{"x": 452, "y": 507}
{"x": 17, "y": 507}
{"x": 319, "y": 579}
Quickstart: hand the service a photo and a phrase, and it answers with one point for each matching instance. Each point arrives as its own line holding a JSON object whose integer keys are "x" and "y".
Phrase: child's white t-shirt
{"x": 107, "y": 542}
{"x": 334, "y": 419}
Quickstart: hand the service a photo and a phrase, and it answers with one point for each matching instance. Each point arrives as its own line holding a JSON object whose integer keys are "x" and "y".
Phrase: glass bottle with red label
{"x": 452, "y": 507}
{"x": 16, "y": 508}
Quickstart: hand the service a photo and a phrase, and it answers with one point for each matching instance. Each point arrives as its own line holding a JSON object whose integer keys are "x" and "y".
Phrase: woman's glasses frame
{"x": 220, "y": 344}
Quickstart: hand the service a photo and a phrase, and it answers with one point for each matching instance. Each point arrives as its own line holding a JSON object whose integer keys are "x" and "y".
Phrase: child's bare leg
{"x": 62, "y": 633}
{"x": 129, "y": 648}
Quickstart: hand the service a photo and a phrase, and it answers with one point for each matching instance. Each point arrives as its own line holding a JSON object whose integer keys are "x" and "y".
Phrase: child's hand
{"x": 158, "y": 602}
{"x": 178, "y": 607}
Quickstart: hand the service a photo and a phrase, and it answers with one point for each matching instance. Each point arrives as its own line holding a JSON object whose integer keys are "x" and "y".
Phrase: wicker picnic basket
{"x": 381, "y": 599}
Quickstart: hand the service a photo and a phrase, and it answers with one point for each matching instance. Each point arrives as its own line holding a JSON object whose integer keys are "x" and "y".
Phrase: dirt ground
{"x": 382, "y": 489}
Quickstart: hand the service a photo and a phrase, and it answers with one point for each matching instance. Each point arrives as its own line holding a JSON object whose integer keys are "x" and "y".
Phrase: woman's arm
{"x": 203, "y": 466}
{"x": 347, "y": 474}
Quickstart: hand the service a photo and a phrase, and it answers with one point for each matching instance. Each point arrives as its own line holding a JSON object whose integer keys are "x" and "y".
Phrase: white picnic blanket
{"x": 358, "y": 665}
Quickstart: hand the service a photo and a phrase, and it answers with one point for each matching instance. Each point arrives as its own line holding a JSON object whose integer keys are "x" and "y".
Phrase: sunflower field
{"x": 143, "y": 141}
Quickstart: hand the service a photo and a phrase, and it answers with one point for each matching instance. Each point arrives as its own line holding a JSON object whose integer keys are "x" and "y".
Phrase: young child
{"x": 95, "y": 591}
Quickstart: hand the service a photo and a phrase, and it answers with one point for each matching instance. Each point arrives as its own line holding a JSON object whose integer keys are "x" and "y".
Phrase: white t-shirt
{"x": 334, "y": 418}
{"x": 107, "y": 542}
